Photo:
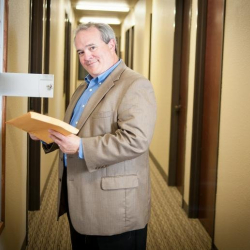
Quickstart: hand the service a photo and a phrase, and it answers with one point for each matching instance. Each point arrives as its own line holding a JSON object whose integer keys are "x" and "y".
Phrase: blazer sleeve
{"x": 136, "y": 121}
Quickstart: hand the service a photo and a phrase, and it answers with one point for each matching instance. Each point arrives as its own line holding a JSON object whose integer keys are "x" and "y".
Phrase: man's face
{"x": 95, "y": 55}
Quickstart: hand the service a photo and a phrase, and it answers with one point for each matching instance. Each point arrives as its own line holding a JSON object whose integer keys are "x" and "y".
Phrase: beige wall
{"x": 56, "y": 104}
{"x": 161, "y": 75}
{"x": 117, "y": 29}
{"x": 139, "y": 17}
{"x": 14, "y": 232}
{"x": 162, "y": 44}
{"x": 142, "y": 33}
{"x": 128, "y": 22}
{"x": 232, "y": 225}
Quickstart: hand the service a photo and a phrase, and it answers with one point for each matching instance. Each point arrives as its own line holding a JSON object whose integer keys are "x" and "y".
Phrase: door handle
{"x": 177, "y": 108}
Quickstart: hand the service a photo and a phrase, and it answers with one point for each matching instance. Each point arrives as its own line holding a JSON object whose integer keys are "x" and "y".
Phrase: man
{"x": 104, "y": 183}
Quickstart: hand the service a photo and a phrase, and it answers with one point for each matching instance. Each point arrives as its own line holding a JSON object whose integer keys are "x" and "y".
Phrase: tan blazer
{"x": 109, "y": 190}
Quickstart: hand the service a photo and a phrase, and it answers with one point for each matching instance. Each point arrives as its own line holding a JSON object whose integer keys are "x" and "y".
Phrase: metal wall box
{"x": 26, "y": 85}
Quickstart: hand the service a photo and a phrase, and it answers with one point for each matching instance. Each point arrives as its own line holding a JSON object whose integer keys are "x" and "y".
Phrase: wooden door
{"x": 129, "y": 47}
{"x": 207, "y": 112}
{"x": 67, "y": 50}
{"x": 38, "y": 63}
{"x": 179, "y": 94}
{"x": 34, "y": 103}
{"x": 211, "y": 113}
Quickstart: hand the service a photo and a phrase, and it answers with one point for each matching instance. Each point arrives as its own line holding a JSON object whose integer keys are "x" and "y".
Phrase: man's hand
{"x": 68, "y": 144}
{"x": 33, "y": 137}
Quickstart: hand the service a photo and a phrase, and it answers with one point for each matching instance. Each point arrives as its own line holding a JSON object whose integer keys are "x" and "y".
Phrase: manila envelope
{"x": 38, "y": 125}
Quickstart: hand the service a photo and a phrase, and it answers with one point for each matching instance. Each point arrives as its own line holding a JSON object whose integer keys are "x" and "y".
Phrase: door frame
{"x": 175, "y": 93}
{"x": 198, "y": 109}
{"x": 67, "y": 56}
{"x": 207, "y": 37}
{"x": 177, "y": 80}
{"x": 3, "y": 57}
{"x": 129, "y": 47}
{"x": 34, "y": 103}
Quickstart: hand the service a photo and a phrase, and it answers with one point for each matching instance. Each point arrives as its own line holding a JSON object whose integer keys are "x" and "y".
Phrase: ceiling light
{"x": 102, "y": 6}
{"x": 100, "y": 20}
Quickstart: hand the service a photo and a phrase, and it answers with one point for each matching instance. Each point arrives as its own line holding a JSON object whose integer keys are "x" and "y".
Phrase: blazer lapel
{"x": 95, "y": 99}
{"x": 93, "y": 102}
{"x": 100, "y": 93}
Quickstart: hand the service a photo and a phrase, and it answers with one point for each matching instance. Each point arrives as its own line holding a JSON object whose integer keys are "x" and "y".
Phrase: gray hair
{"x": 107, "y": 33}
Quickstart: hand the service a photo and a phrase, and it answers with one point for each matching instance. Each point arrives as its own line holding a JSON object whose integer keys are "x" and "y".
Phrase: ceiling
{"x": 111, "y": 14}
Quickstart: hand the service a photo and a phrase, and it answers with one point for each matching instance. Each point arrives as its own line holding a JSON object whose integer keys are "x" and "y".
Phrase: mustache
{"x": 89, "y": 62}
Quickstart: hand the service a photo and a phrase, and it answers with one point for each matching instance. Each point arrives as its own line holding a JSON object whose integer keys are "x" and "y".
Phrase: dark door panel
{"x": 179, "y": 94}
{"x": 211, "y": 113}
{"x": 206, "y": 112}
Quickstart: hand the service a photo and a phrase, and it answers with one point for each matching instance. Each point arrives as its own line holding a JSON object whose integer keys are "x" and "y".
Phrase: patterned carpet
{"x": 169, "y": 228}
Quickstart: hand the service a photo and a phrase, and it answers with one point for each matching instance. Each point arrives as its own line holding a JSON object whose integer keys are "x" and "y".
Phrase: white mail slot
{"x": 26, "y": 85}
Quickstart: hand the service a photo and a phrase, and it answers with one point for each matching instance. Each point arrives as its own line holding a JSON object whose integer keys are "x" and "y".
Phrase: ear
{"x": 111, "y": 44}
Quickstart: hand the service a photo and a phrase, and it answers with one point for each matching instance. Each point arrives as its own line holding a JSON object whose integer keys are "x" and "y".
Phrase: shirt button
{"x": 100, "y": 83}
{"x": 83, "y": 106}
{"x": 90, "y": 90}
{"x": 76, "y": 122}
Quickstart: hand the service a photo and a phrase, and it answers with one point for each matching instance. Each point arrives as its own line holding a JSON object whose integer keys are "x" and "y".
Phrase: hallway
{"x": 169, "y": 227}
{"x": 149, "y": 30}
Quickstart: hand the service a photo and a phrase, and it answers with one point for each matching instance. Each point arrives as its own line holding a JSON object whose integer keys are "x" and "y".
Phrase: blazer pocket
{"x": 119, "y": 182}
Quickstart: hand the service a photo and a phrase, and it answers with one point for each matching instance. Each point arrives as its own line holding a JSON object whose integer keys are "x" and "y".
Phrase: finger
{"x": 56, "y": 134}
{"x": 33, "y": 137}
{"x": 57, "y": 138}
{"x": 53, "y": 137}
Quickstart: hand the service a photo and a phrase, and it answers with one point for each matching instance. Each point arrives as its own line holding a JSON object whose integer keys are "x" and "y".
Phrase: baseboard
{"x": 214, "y": 247}
{"x": 158, "y": 166}
{"x": 185, "y": 207}
{"x": 25, "y": 243}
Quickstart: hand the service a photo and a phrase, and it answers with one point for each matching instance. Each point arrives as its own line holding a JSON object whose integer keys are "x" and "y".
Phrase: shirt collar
{"x": 103, "y": 76}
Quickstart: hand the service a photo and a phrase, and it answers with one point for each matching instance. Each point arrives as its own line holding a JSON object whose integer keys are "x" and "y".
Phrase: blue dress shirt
{"x": 93, "y": 85}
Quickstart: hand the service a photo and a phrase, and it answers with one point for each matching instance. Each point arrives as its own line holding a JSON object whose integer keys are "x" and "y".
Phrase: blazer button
{"x": 60, "y": 179}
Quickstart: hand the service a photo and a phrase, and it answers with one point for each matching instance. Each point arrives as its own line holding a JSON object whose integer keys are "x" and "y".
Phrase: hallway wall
{"x": 139, "y": 17}
{"x": 142, "y": 30}
{"x": 57, "y": 103}
{"x": 163, "y": 14}
{"x": 232, "y": 222}
{"x": 14, "y": 232}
